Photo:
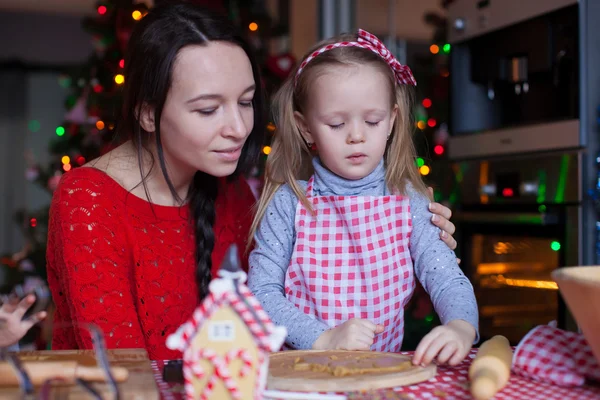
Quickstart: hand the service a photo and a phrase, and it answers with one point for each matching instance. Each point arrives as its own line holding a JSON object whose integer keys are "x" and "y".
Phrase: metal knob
{"x": 459, "y": 24}
{"x": 489, "y": 189}
{"x": 529, "y": 188}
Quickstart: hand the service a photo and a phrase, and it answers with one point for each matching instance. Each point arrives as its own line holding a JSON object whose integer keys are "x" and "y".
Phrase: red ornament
{"x": 102, "y": 10}
{"x": 8, "y": 261}
{"x": 281, "y": 65}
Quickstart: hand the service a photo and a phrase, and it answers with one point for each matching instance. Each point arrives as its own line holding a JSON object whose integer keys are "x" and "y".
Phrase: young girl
{"x": 336, "y": 257}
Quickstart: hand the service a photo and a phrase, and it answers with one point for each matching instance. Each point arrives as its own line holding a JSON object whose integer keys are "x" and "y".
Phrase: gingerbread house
{"x": 226, "y": 343}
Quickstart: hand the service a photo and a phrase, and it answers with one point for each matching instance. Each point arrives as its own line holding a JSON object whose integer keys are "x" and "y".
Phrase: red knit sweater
{"x": 114, "y": 262}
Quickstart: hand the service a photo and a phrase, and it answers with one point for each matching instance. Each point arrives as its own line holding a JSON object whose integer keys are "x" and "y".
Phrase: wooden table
{"x": 141, "y": 383}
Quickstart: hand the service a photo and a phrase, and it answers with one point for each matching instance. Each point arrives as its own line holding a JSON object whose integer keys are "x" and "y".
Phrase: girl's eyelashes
{"x": 339, "y": 126}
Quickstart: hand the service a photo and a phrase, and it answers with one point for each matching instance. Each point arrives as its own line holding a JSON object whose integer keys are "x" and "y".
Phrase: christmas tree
{"x": 95, "y": 90}
{"x": 88, "y": 127}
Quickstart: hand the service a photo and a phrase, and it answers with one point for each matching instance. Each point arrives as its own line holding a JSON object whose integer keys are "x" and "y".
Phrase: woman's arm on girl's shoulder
{"x": 436, "y": 267}
{"x": 269, "y": 261}
{"x": 89, "y": 259}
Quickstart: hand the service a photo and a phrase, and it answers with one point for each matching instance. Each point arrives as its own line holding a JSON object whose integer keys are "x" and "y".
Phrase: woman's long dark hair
{"x": 153, "y": 47}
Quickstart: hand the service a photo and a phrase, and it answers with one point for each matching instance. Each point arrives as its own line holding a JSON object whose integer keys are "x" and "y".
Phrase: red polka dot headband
{"x": 368, "y": 41}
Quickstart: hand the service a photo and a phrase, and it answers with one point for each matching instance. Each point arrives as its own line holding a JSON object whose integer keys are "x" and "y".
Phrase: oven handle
{"x": 506, "y": 218}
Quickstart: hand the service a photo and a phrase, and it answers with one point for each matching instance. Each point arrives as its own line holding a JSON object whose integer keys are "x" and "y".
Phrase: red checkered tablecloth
{"x": 449, "y": 383}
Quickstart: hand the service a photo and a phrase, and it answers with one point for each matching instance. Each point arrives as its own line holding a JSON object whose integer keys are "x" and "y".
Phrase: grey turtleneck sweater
{"x": 434, "y": 263}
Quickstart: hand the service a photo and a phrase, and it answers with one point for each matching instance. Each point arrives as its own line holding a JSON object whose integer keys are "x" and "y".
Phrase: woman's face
{"x": 208, "y": 113}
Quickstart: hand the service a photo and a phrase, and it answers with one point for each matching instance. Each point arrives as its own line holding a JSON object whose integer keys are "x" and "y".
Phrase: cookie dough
{"x": 342, "y": 364}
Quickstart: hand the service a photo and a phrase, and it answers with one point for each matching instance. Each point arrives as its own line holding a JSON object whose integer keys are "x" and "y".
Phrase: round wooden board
{"x": 284, "y": 376}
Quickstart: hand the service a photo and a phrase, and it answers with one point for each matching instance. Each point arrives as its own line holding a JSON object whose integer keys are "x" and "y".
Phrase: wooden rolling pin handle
{"x": 96, "y": 374}
{"x": 67, "y": 371}
{"x": 490, "y": 371}
{"x": 485, "y": 384}
{"x": 39, "y": 372}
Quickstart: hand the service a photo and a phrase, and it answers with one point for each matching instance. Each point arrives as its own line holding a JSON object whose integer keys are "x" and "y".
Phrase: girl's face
{"x": 208, "y": 113}
{"x": 349, "y": 117}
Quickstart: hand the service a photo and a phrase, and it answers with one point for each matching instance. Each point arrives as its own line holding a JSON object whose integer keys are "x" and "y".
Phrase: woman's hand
{"x": 448, "y": 343}
{"x": 441, "y": 219}
{"x": 12, "y": 325}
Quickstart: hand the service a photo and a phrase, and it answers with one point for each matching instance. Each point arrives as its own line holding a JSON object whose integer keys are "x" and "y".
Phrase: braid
{"x": 202, "y": 202}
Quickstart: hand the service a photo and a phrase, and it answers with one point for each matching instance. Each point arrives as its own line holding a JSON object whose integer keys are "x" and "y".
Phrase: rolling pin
{"x": 490, "y": 370}
{"x": 67, "y": 371}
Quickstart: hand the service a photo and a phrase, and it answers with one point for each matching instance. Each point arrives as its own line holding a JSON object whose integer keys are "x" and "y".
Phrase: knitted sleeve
{"x": 88, "y": 266}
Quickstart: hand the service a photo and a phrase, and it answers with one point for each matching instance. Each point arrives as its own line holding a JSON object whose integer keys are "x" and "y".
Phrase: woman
{"x": 131, "y": 230}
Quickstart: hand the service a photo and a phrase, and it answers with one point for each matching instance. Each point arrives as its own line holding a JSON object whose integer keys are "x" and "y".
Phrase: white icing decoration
{"x": 220, "y": 286}
{"x": 262, "y": 375}
{"x": 225, "y": 284}
{"x": 277, "y": 337}
{"x": 175, "y": 340}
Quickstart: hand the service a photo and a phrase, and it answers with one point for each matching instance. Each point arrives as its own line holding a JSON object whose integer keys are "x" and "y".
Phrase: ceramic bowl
{"x": 580, "y": 287}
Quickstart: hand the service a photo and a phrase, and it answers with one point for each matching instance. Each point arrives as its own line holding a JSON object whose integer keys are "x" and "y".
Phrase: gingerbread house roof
{"x": 246, "y": 306}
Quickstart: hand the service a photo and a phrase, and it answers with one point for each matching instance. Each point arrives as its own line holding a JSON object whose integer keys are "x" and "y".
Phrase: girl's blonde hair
{"x": 290, "y": 157}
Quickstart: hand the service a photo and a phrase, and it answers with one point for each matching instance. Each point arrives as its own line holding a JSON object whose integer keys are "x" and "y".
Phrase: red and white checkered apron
{"x": 352, "y": 260}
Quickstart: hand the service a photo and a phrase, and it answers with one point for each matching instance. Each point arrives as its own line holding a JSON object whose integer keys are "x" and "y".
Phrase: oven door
{"x": 509, "y": 255}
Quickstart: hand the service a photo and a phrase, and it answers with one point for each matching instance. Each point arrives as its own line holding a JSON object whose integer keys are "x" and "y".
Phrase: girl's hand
{"x": 12, "y": 325}
{"x": 441, "y": 219}
{"x": 354, "y": 334}
{"x": 448, "y": 343}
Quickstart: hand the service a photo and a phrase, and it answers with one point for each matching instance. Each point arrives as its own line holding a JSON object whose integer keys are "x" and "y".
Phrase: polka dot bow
{"x": 368, "y": 41}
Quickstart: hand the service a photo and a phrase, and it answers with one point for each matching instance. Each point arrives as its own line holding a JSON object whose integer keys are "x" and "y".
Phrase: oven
{"x": 517, "y": 222}
{"x": 514, "y": 76}
{"x": 522, "y": 153}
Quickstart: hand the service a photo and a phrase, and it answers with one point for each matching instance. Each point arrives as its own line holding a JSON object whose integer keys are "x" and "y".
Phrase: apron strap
{"x": 309, "y": 187}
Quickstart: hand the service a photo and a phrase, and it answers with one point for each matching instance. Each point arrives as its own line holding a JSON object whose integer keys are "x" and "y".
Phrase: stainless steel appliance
{"x": 525, "y": 86}
{"x": 518, "y": 221}
{"x": 514, "y": 84}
